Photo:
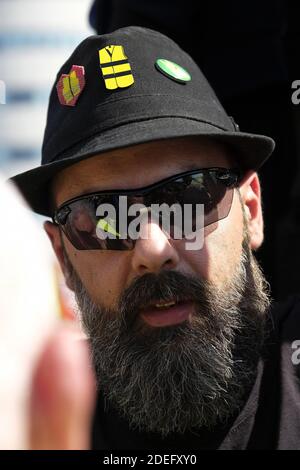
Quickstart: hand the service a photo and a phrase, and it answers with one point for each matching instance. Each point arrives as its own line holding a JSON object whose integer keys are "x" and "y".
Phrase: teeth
{"x": 164, "y": 305}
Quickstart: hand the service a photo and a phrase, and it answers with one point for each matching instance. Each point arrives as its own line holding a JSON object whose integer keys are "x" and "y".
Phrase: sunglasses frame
{"x": 231, "y": 177}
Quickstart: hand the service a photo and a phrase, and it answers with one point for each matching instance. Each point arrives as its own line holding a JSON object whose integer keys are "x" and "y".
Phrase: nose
{"x": 154, "y": 253}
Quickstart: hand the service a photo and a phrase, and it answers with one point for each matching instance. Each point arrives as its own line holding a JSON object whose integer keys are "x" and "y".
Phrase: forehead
{"x": 138, "y": 166}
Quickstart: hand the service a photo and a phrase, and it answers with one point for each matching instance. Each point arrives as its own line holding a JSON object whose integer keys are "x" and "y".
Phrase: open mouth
{"x": 166, "y": 313}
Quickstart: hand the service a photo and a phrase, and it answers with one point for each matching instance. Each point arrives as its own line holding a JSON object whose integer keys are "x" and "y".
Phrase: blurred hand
{"x": 47, "y": 390}
{"x": 62, "y": 394}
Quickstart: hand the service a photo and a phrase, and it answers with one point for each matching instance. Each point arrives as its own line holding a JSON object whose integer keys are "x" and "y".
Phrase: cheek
{"x": 102, "y": 273}
{"x": 221, "y": 253}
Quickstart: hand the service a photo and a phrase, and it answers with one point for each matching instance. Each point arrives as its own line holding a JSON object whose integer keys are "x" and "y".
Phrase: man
{"x": 187, "y": 351}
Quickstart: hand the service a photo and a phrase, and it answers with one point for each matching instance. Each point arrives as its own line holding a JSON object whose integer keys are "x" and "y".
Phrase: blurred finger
{"x": 63, "y": 394}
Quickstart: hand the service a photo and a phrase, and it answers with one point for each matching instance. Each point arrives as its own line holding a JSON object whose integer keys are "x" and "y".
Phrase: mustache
{"x": 150, "y": 288}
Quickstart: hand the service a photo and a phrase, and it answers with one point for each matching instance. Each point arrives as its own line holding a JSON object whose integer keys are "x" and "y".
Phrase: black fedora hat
{"x": 132, "y": 86}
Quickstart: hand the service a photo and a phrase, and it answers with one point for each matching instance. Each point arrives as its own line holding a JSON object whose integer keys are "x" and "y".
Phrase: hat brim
{"x": 252, "y": 151}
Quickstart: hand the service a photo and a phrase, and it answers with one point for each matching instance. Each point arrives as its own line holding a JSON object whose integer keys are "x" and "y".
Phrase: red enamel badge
{"x": 70, "y": 86}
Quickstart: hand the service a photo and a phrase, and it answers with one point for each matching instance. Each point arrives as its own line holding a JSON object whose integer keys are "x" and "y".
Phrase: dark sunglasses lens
{"x": 87, "y": 231}
{"x": 205, "y": 189}
{"x": 211, "y": 191}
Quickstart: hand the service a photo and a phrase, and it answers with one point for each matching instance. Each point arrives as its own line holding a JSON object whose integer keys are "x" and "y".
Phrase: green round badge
{"x": 172, "y": 70}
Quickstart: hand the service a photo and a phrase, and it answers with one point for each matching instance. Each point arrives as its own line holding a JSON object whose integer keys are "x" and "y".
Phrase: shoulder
{"x": 285, "y": 317}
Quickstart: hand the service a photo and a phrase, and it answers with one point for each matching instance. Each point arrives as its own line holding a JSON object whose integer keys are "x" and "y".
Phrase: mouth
{"x": 167, "y": 313}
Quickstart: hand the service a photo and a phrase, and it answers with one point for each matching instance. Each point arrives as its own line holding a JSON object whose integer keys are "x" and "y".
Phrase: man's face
{"x": 140, "y": 352}
{"x": 107, "y": 273}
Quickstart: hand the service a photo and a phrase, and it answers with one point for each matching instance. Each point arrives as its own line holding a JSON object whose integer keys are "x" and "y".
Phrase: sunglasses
{"x": 210, "y": 187}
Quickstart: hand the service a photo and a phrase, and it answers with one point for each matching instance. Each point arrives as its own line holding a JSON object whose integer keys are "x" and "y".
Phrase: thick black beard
{"x": 193, "y": 375}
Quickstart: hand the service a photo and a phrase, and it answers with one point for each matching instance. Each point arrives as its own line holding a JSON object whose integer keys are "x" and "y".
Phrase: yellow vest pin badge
{"x": 116, "y": 69}
{"x": 70, "y": 86}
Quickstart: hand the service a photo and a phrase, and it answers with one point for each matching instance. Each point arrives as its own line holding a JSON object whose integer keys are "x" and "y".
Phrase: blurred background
{"x": 36, "y": 37}
{"x": 248, "y": 50}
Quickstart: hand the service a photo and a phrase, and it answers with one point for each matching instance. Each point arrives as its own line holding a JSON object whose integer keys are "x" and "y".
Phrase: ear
{"x": 54, "y": 235}
{"x": 251, "y": 197}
